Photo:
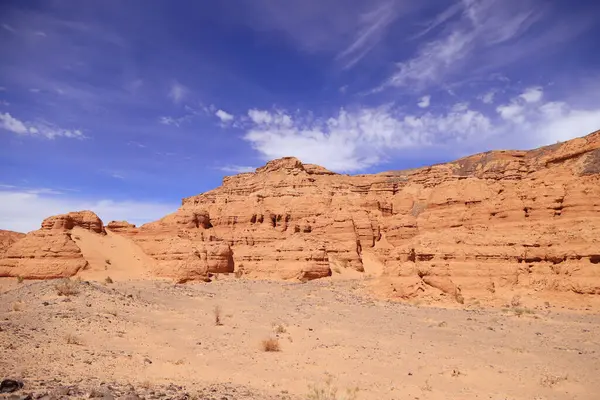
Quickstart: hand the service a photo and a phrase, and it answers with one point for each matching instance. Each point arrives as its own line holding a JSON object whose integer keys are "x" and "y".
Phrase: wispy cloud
{"x": 237, "y": 169}
{"x": 8, "y": 28}
{"x": 177, "y": 92}
{"x": 373, "y": 25}
{"x": 481, "y": 24}
{"x": 44, "y": 129}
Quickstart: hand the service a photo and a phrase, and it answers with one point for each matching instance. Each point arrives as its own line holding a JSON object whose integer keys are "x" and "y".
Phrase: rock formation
{"x": 492, "y": 220}
{"x": 50, "y": 252}
{"x": 501, "y": 219}
{"x": 7, "y": 238}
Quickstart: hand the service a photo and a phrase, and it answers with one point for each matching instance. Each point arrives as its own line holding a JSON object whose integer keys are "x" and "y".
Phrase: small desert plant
{"x": 329, "y": 392}
{"x": 427, "y": 386}
{"x": 279, "y": 328}
{"x": 107, "y": 261}
{"x": 551, "y": 380}
{"x": 217, "y": 315}
{"x": 72, "y": 339}
{"x": 239, "y": 271}
{"x": 19, "y": 279}
{"x": 108, "y": 280}
{"x": 515, "y": 301}
{"x": 18, "y": 306}
{"x": 67, "y": 287}
{"x": 270, "y": 344}
{"x": 522, "y": 310}
{"x": 76, "y": 237}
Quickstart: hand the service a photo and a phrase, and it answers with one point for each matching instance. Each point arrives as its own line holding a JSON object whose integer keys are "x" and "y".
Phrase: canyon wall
{"x": 500, "y": 219}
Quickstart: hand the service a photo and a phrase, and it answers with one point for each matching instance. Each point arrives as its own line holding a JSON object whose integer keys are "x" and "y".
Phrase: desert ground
{"x": 154, "y": 339}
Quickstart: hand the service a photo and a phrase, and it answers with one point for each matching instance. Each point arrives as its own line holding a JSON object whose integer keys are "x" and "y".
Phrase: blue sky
{"x": 126, "y": 107}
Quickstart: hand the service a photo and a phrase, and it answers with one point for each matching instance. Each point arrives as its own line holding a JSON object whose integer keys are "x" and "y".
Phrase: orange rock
{"x": 50, "y": 252}
{"x": 500, "y": 220}
{"x": 7, "y": 238}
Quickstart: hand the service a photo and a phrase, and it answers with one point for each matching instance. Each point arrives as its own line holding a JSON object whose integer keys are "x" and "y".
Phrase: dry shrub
{"x": 279, "y": 328}
{"x": 515, "y": 301}
{"x": 551, "y": 380}
{"x": 108, "y": 280}
{"x": 18, "y": 306}
{"x": 270, "y": 344}
{"x": 522, "y": 310}
{"x": 217, "y": 315}
{"x": 19, "y": 279}
{"x": 72, "y": 339}
{"x": 239, "y": 272}
{"x": 107, "y": 261}
{"x": 329, "y": 392}
{"x": 67, "y": 287}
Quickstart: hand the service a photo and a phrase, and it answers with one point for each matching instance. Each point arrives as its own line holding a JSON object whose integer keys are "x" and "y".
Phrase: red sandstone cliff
{"x": 492, "y": 220}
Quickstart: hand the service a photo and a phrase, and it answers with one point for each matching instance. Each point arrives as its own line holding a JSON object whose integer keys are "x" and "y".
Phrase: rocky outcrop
{"x": 497, "y": 219}
{"x": 50, "y": 252}
{"x": 82, "y": 219}
{"x": 180, "y": 246}
{"x": 487, "y": 222}
{"x": 7, "y": 238}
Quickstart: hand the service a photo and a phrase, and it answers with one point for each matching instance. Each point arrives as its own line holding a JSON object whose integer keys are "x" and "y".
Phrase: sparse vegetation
{"x": 67, "y": 287}
{"x": 18, "y": 306}
{"x": 279, "y": 328}
{"x": 330, "y": 392}
{"x": 107, "y": 261}
{"x": 522, "y": 310}
{"x": 239, "y": 271}
{"x": 108, "y": 280}
{"x": 72, "y": 339}
{"x": 270, "y": 344}
{"x": 551, "y": 380}
{"x": 427, "y": 386}
{"x": 76, "y": 237}
{"x": 515, "y": 301}
{"x": 19, "y": 279}
{"x": 217, "y": 315}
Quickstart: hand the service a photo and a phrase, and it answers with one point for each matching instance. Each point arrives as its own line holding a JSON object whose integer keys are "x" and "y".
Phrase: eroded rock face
{"x": 503, "y": 219}
{"x": 181, "y": 246}
{"x": 50, "y": 252}
{"x": 83, "y": 219}
{"x": 498, "y": 219}
{"x": 7, "y": 238}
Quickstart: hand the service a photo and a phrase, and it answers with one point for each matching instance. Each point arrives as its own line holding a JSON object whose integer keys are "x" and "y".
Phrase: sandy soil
{"x": 160, "y": 340}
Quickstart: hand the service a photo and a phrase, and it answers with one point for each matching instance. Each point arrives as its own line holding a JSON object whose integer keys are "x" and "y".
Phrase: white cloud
{"x": 40, "y": 33}
{"x": 49, "y": 131}
{"x": 511, "y": 112}
{"x": 7, "y": 122}
{"x": 23, "y": 210}
{"x": 488, "y": 98}
{"x": 224, "y": 116}
{"x": 351, "y": 141}
{"x": 357, "y": 139}
{"x": 532, "y": 95}
{"x": 424, "y": 101}
{"x": 237, "y": 169}
{"x": 177, "y": 92}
